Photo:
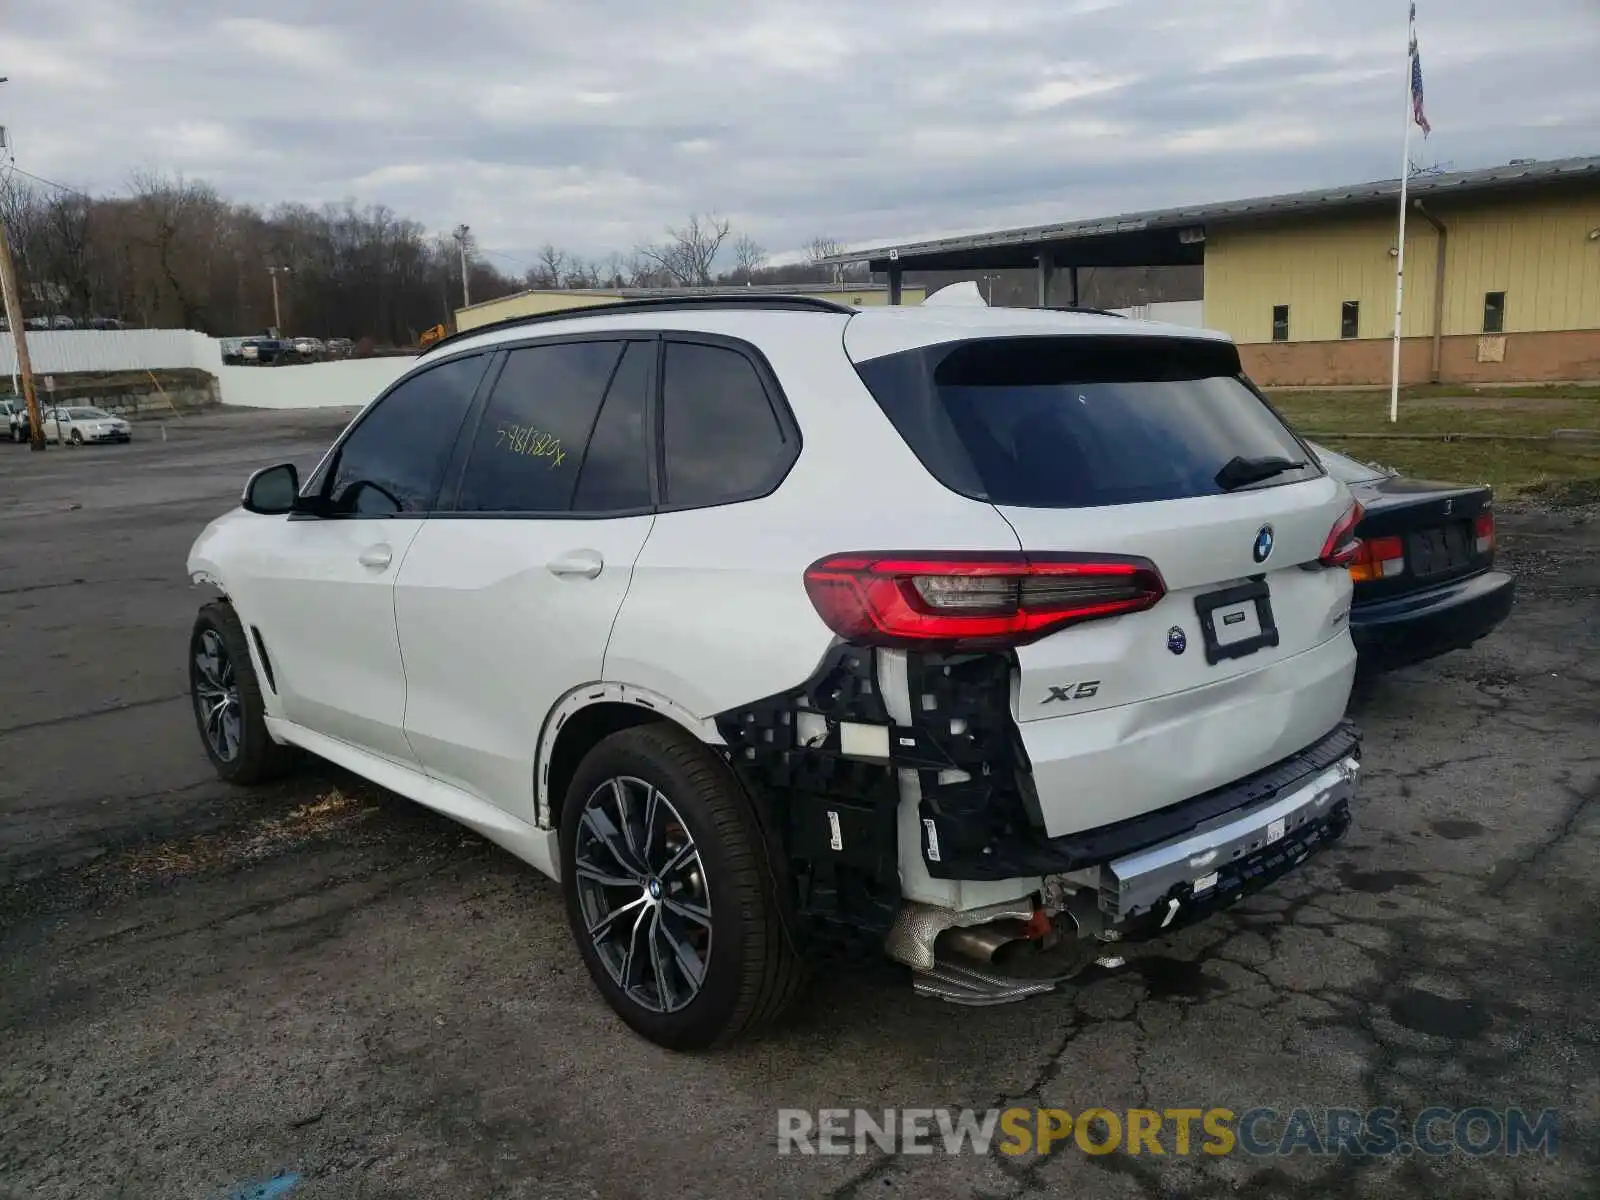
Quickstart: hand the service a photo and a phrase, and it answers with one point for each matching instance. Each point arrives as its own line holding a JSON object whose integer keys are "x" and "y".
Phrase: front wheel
{"x": 228, "y": 709}
{"x": 670, "y": 891}
{"x": 77, "y": 437}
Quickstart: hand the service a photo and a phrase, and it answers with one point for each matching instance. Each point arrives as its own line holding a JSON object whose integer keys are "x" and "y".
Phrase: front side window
{"x": 529, "y": 447}
{"x": 723, "y": 439}
{"x": 392, "y": 462}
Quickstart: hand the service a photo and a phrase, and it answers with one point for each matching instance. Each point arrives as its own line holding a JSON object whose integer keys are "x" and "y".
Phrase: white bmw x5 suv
{"x": 773, "y": 629}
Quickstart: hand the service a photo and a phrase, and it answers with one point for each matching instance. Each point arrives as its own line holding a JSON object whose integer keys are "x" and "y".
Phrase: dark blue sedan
{"x": 1425, "y": 581}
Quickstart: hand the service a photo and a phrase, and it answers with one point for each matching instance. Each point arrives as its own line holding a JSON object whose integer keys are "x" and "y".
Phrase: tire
{"x": 750, "y": 971}
{"x": 77, "y": 437}
{"x": 221, "y": 674}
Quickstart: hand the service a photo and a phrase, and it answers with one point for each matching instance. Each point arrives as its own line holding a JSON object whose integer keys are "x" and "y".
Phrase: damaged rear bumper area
{"x": 881, "y": 749}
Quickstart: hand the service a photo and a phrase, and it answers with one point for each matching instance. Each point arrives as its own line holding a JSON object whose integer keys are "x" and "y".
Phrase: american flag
{"x": 1416, "y": 79}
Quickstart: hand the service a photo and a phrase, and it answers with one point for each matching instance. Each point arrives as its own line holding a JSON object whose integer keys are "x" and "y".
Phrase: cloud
{"x": 593, "y": 126}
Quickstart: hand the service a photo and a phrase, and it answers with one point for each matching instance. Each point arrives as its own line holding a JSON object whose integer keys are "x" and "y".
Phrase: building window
{"x": 1350, "y": 319}
{"x": 1494, "y": 312}
{"x": 1280, "y": 322}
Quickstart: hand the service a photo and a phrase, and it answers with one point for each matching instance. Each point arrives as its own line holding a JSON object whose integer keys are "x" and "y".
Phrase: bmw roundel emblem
{"x": 1176, "y": 641}
{"x": 1263, "y": 544}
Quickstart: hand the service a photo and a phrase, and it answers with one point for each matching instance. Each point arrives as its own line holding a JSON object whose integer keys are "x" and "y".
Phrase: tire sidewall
{"x": 701, "y": 1022}
{"x": 252, "y": 725}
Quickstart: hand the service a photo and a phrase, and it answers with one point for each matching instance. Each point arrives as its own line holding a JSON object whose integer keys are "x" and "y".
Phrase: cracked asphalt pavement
{"x": 203, "y": 988}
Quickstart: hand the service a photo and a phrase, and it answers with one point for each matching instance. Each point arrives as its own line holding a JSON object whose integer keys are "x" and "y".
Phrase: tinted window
{"x": 392, "y": 461}
{"x": 1280, "y": 322}
{"x": 1077, "y": 422}
{"x": 1494, "y": 312}
{"x": 723, "y": 440}
{"x": 529, "y": 445}
{"x": 1350, "y": 319}
{"x": 615, "y": 473}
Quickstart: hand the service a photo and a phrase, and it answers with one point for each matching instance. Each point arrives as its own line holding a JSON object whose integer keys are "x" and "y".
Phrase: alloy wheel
{"x": 216, "y": 696}
{"x": 643, "y": 893}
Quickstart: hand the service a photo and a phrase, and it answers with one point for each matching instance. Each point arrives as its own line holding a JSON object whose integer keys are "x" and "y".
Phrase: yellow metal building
{"x": 546, "y": 300}
{"x": 1497, "y": 286}
{"x": 1502, "y": 268}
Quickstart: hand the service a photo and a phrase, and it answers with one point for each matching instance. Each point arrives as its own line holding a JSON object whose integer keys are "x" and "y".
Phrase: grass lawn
{"x": 1509, "y": 465}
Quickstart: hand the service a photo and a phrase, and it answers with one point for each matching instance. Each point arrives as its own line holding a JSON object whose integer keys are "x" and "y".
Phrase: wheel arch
{"x": 585, "y": 715}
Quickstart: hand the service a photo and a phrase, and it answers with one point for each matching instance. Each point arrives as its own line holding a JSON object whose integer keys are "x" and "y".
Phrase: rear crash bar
{"x": 1183, "y": 870}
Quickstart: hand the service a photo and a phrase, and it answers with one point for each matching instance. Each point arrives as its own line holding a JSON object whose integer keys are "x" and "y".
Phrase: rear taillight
{"x": 1483, "y": 532}
{"x": 1342, "y": 546}
{"x": 974, "y": 599}
{"x": 1378, "y": 558}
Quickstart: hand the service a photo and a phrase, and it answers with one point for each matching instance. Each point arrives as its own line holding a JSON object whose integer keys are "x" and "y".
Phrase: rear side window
{"x": 393, "y": 461}
{"x": 723, "y": 439}
{"x": 1078, "y": 422}
{"x": 529, "y": 446}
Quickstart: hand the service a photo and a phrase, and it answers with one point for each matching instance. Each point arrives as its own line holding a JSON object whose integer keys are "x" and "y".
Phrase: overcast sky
{"x": 592, "y": 124}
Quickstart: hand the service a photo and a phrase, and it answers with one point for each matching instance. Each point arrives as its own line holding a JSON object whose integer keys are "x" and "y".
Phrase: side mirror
{"x": 272, "y": 491}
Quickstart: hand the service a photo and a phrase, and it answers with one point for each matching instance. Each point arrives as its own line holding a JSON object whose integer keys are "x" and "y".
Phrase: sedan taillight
{"x": 1483, "y": 532}
{"x": 974, "y": 600}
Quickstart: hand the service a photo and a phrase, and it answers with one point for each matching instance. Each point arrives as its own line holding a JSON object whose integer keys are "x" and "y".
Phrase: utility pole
{"x": 11, "y": 301}
{"x": 277, "y": 316}
{"x": 462, "y": 234}
{"x": 13, "y": 307}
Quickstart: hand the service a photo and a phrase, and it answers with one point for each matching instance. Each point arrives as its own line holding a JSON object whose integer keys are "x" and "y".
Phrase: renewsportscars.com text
{"x": 1260, "y": 1132}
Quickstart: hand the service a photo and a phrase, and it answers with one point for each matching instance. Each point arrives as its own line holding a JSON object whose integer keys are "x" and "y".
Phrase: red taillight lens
{"x": 1342, "y": 546}
{"x": 1483, "y": 532}
{"x": 1378, "y": 558}
{"x": 974, "y": 599}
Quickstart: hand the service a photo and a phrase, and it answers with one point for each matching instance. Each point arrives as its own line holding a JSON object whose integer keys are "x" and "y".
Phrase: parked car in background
{"x": 80, "y": 423}
{"x": 41, "y": 323}
{"x": 339, "y": 347}
{"x": 258, "y": 351}
{"x": 62, "y": 322}
{"x": 308, "y": 347}
{"x": 104, "y": 323}
{"x": 1425, "y": 582}
{"x": 232, "y": 350}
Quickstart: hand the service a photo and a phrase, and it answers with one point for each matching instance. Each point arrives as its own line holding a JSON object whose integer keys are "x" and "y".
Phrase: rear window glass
{"x": 1078, "y": 422}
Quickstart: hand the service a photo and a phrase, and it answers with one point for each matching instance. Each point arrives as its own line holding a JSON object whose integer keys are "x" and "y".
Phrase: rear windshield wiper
{"x": 1239, "y": 471}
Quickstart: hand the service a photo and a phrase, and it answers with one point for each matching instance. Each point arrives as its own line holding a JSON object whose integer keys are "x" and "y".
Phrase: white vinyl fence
{"x": 348, "y": 383}
{"x": 67, "y": 350}
{"x": 1172, "y": 312}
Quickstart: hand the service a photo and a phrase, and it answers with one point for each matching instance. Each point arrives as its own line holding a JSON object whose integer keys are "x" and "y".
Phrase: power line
{"x": 12, "y": 168}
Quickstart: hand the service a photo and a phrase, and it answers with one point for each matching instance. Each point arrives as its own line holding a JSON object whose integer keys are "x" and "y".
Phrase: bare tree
{"x": 690, "y": 252}
{"x": 824, "y": 247}
{"x": 552, "y": 266}
{"x": 748, "y": 255}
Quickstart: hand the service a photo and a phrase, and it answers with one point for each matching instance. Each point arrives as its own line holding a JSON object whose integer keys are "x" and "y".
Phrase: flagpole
{"x": 1400, "y": 242}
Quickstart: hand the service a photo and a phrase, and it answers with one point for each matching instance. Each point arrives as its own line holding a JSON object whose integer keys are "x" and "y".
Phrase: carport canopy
{"x": 1175, "y": 237}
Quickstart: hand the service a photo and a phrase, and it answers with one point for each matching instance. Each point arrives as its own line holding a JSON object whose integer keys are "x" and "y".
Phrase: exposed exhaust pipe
{"x": 981, "y": 943}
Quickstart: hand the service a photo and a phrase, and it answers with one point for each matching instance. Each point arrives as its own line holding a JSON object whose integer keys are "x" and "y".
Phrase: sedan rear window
{"x": 1079, "y": 422}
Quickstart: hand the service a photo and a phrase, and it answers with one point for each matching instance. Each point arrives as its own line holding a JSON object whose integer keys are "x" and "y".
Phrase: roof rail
{"x": 1073, "y": 308}
{"x": 731, "y": 299}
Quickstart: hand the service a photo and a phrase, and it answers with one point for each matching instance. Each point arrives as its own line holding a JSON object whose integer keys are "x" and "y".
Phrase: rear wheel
{"x": 228, "y": 708}
{"x": 670, "y": 893}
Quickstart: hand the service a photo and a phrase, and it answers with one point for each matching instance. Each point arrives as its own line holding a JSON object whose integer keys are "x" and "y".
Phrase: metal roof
{"x": 1517, "y": 174}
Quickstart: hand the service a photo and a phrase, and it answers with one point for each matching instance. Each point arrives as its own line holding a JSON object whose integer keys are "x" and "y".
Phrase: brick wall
{"x": 1528, "y": 358}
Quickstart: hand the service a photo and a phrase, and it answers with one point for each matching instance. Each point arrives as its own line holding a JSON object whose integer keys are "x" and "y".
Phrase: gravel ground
{"x": 203, "y": 988}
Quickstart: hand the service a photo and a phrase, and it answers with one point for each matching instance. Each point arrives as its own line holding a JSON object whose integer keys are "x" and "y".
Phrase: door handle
{"x": 584, "y": 563}
{"x": 375, "y": 556}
